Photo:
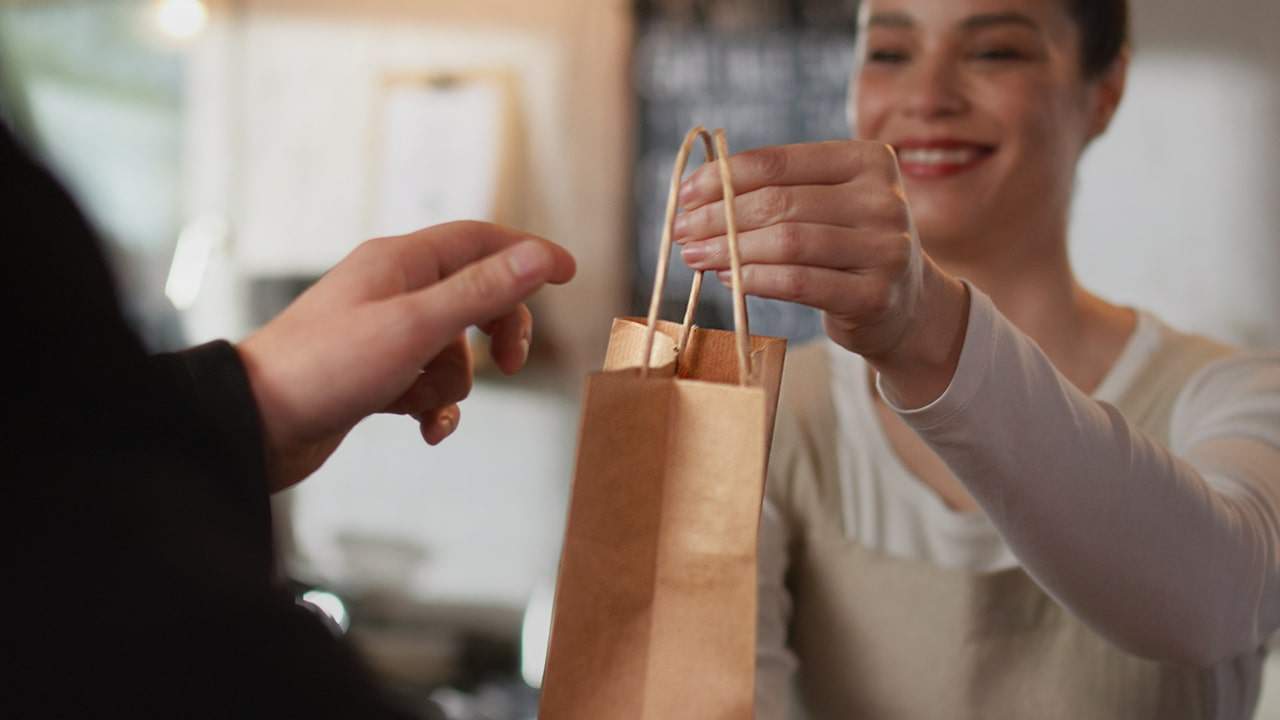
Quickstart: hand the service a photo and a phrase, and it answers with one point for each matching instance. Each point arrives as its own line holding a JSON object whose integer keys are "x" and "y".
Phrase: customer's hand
{"x": 383, "y": 331}
{"x": 827, "y": 225}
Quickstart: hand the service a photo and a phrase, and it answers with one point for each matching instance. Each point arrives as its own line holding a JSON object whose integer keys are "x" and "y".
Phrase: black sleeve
{"x": 208, "y": 388}
{"x": 139, "y": 563}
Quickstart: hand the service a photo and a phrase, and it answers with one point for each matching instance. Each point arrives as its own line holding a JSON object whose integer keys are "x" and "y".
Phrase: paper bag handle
{"x": 718, "y": 151}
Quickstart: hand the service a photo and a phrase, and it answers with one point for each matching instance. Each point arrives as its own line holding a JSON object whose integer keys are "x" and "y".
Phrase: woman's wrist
{"x": 919, "y": 368}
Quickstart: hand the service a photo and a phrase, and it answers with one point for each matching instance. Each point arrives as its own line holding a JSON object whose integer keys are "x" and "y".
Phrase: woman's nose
{"x": 933, "y": 91}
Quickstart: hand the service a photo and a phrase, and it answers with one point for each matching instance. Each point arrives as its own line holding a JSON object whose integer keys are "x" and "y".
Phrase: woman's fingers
{"x": 822, "y": 224}
{"x": 812, "y": 244}
{"x": 861, "y": 298}
{"x": 858, "y": 204}
{"x": 824, "y": 163}
{"x": 511, "y": 336}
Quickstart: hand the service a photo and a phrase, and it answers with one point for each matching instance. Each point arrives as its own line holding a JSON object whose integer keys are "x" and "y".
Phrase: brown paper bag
{"x": 655, "y": 608}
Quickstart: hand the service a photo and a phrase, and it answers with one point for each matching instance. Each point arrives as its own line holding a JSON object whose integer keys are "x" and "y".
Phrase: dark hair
{"x": 1104, "y": 32}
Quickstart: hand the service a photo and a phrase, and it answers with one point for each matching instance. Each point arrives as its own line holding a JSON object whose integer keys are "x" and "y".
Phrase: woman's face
{"x": 985, "y": 104}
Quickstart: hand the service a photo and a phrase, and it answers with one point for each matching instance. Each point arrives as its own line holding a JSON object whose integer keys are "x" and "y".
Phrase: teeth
{"x": 930, "y": 156}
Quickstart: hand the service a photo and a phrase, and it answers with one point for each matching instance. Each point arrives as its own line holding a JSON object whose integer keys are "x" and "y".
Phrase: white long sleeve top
{"x": 1172, "y": 553}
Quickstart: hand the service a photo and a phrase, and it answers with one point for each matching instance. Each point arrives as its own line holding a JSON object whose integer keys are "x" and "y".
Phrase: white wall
{"x": 1177, "y": 209}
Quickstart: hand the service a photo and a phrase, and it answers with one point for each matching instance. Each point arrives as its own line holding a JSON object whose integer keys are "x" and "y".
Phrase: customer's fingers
{"x": 445, "y": 380}
{"x": 433, "y": 253}
{"x": 385, "y": 267}
{"x": 436, "y": 425}
{"x": 481, "y": 292}
{"x": 510, "y": 338}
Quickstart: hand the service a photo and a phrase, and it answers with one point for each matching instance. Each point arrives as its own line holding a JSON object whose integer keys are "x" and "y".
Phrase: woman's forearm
{"x": 1173, "y": 557}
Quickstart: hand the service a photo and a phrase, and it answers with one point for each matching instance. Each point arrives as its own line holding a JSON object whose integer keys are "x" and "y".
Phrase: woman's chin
{"x": 953, "y": 234}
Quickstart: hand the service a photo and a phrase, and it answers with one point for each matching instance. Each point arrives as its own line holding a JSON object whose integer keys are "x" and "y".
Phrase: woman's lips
{"x": 941, "y": 158}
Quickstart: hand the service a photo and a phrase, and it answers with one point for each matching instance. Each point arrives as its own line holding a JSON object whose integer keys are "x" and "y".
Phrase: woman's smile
{"x": 926, "y": 159}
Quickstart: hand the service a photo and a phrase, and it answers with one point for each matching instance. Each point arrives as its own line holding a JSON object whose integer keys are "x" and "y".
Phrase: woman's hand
{"x": 827, "y": 225}
{"x": 383, "y": 331}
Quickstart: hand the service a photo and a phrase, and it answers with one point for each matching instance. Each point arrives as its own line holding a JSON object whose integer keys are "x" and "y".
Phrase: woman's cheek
{"x": 868, "y": 111}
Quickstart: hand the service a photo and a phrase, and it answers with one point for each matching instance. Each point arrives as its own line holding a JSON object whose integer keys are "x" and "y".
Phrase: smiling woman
{"x": 989, "y": 111}
{"x": 993, "y": 493}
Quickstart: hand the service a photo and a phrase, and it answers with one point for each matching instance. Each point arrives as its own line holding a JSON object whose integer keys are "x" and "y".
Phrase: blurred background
{"x": 229, "y": 151}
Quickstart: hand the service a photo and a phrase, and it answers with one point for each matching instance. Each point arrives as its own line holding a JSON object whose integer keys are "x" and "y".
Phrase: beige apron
{"x": 880, "y": 637}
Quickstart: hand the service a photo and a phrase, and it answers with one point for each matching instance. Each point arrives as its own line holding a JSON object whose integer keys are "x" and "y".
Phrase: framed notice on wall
{"x": 441, "y": 150}
{"x": 331, "y": 152}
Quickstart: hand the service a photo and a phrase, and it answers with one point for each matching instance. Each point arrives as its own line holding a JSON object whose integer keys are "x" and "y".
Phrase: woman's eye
{"x": 999, "y": 54}
{"x": 887, "y": 56}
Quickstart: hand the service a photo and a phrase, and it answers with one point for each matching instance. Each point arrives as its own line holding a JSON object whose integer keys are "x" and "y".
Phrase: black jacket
{"x": 139, "y": 575}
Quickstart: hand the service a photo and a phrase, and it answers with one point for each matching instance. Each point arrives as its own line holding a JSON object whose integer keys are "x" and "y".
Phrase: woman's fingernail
{"x": 527, "y": 259}
{"x": 694, "y": 253}
{"x": 524, "y": 349}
